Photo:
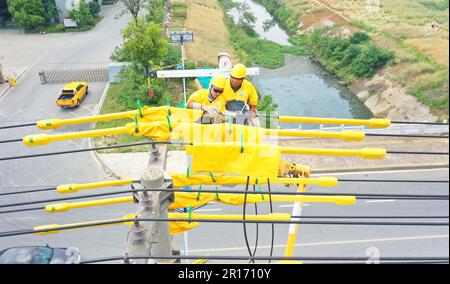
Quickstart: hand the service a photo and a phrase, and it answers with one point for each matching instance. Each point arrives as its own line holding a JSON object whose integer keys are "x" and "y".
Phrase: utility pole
{"x": 152, "y": 238}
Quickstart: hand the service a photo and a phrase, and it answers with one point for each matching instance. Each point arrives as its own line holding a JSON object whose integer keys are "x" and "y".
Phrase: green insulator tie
{"x": 136, "y": 127}
{"x": 212, "y": 177}
{"x": 189, "y": 214}
{"x": 242, "y": 143}
{"x": 198, "y": 194}
{"x": 140, "y": 108}
{"x": 217, "y": 194}
{"x": 168, "y": 121}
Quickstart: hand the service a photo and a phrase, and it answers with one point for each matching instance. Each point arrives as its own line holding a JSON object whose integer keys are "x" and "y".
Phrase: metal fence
{"x": 64, "y": 73}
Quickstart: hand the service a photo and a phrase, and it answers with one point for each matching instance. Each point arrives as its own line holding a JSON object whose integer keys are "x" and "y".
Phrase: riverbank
{"x": 419, "y": 69}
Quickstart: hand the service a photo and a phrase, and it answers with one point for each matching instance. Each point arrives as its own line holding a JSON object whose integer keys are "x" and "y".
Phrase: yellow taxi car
{"x": 72, "y": 94}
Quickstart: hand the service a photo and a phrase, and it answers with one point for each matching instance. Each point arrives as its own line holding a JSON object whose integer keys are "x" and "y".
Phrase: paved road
{"x": 30, "y": 101}
{"x": 330, "y": 240}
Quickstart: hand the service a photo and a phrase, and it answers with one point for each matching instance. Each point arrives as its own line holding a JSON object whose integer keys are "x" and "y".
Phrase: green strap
{"x": 217, "y": 194}
{"x": 212, "y": 177}
{"x": 138, "y": 102}
{"x": 136, "y": 127}
{"x": 188, "y": 172}
{"x": 168, "y": 106}
{"x": 260, "y": 189}
{"x": 189, "y": 214}
{"x": 198, "y": 194}
{"x": 168, "y": 121}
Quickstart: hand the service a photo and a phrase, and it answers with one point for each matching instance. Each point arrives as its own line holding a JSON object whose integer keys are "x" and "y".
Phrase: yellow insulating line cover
{"x": 71, "y": 188}
{"x": 184, "y": 200}
{"x": 367, "y": 153}
{"x": 150, "y": 114}
{"x": 372, "y": 123}
{"x": 160, "y": 133}
{"x": 47, "y": 124}
{"x": 180, "y": 180}
{"x": 63, "y": 207}
{"x": 270, "y": 217}
{"x": 351, "y": 135}
{"x": 45, "y": 139}
{"x": 86, "y": 224}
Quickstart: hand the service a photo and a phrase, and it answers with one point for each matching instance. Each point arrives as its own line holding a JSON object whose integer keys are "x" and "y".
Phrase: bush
{"x": 359, "y": 37}
{"x": 28, "y": 14}
{"x": 94, "y": 8}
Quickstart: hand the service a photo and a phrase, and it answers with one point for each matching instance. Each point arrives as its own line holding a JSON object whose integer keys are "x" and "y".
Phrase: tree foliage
{"x": 134, "y": 7}
{"x": 29, "y": 14}
{"x": 82, "y": 15}
{"x": 144, "y": 44}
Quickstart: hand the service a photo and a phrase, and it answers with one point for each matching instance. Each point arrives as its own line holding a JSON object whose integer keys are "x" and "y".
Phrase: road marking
{"x": 383, "y": 172}
{"x": 380, "y": 201}
{"x": 291, "y": 205}
{"x": 208, "y": 210}
{"x": 328, "y": 243}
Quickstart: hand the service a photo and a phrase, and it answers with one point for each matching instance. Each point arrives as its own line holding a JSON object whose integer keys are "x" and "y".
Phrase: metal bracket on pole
{"x": 152, "y": 238}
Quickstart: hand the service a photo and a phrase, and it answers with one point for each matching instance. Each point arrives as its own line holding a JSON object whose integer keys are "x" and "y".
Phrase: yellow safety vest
{"x": 247, "y": 93}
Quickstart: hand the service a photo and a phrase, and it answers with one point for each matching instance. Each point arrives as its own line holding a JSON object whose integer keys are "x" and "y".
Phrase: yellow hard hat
{"x": 239, "y": 71}
{"x": 219, "y": 81}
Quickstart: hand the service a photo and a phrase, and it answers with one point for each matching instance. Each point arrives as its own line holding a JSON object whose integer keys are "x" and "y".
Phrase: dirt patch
{"x": 320, "y": 18}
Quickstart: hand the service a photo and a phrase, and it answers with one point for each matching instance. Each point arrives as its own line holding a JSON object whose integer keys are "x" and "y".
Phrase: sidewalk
{"x": 131, "y": 165}
{"x": 17, "y": 73}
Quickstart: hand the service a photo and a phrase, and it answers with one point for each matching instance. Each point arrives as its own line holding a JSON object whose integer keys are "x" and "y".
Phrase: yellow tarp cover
{"x": 252, "y": 160}
{"x": 196, "y": 133}
{"x": 180, "y": 180}
{"x": 159, "y": 114}
{"x": 184, "y": 200}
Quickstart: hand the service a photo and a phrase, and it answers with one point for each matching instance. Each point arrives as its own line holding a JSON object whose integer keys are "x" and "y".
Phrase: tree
{"x": 82, "y": 15}
{"x": 267, "y": 106}
{"x": 134, "y": 7}
{"x": 246, "y": 18}
{"x": 144, "y": 44}
{"x": 29, "y": 14}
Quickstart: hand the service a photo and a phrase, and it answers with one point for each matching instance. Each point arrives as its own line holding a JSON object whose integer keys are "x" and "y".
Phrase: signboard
{"x": 181, "y": 37}
{"x": 69, "y": 23}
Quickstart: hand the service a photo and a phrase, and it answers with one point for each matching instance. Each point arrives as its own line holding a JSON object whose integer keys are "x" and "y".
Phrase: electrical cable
{"x": 222, "y": 221}
{"x": 92, "y": 149}
{"x": 244, "y": 208}
{"x": 273, "y": 225}
{"x": 257, "y": 226}
{"x": 407, "y": 136}
{"x": 419, "y": 123}
{"x": 358, "y": 196}
{"x": 417, "y": 153}
{"x": 10, "y": 141}
{"x": 277, "y": 258}
{"x": 18, "y": 125}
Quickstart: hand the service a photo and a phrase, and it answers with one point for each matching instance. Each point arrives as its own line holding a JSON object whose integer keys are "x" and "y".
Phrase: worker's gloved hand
{"x": 253, "y": 119}
{"x": 196, "y": 105}
{"x": 210, "y": 110}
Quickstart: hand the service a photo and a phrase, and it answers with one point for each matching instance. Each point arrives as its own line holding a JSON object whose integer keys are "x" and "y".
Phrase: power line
{"x": 28, "y": 191}
{"x": 418, "y": 153}
{"x": 408, "y": 136}
{"x": 393, "y": 181}
{"x": 419, "y": 123}
{"x": 92, "y": 149}
{"x": 18, "y": 125}
{"x": 357, "y": 195}
{"x": 276, "y": 258}
{"x": 222, "y": 221}
{"x": 10, "y": 141}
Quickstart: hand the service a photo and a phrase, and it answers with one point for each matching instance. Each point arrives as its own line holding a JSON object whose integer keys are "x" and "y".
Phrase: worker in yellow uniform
{"x": 211, "y": 100}
{"x": 240, "y": 94}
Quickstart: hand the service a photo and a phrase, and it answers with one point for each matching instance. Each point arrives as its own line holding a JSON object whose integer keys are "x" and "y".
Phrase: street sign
{"x": 182, "y": 37}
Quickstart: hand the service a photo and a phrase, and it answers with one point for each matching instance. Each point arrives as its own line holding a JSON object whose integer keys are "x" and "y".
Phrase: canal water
{"x": 301, "y": 87}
